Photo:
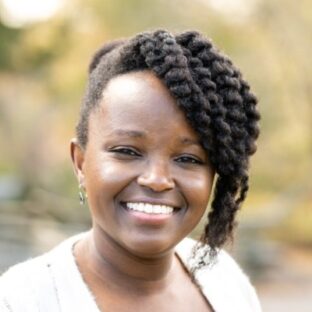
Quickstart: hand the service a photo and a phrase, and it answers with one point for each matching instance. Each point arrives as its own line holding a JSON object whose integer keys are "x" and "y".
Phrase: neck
{"x": 104, "y": 260}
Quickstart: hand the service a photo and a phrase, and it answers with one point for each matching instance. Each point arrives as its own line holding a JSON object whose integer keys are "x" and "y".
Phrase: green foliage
{"x": 8, "y": 38}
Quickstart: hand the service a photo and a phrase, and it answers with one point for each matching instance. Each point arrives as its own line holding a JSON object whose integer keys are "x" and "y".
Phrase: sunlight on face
{"x": 17, "y": 13}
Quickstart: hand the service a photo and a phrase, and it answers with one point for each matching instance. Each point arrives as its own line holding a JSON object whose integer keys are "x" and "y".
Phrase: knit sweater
{"x": 52, "y": 283}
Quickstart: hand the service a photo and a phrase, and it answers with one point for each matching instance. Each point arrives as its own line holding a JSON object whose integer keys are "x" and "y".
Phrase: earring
{"x": 82, "y": 195}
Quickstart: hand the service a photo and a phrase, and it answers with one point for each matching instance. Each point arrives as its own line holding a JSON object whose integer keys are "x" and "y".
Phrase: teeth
{"x": 149, "y": 208}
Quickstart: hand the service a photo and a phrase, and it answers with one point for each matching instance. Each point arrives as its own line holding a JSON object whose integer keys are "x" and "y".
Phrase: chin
{"x": 150, "y": 247}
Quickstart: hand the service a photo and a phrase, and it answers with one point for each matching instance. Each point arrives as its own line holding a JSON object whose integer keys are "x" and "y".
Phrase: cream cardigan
{"x": 53, "y": 283}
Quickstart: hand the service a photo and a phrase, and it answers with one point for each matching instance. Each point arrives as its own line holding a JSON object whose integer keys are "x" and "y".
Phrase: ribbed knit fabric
{"x": 53, "y": 283}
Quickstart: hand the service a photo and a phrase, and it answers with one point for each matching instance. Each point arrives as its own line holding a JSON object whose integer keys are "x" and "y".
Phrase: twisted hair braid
{"x": 234, "y": 123}
{"x": 214, "y": 97}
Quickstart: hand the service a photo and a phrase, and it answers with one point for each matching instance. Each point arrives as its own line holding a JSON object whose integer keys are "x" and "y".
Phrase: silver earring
{"x": 82, "y": 196}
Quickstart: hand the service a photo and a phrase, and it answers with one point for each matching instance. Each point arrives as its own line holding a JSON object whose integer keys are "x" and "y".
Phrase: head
{"x": 209, "y": 95}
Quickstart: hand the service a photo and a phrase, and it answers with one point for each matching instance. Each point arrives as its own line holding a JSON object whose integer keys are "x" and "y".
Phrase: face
{"x": 147, "y": 178}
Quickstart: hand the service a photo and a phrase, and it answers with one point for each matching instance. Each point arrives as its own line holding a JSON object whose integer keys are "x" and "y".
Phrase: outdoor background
{"x": 45, "y": 47}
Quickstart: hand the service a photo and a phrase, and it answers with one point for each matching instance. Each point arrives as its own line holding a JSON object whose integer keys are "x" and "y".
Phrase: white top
{"x": 53, "y": 283}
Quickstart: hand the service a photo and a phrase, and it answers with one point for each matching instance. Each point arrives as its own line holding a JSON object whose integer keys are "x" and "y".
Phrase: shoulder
{"x": 223, "y": 264}
{"x": 236, "y": 277}
{"x": 30, "y": 284}
{"x": 223, "y": 280}
{"x": 20, "y": 282}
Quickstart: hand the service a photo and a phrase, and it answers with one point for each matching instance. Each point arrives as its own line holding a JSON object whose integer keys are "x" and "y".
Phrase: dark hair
{"x": 216, "y": 100}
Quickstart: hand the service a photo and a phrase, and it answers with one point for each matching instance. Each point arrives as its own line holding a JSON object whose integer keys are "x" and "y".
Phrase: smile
{"x": 150, "y": 208}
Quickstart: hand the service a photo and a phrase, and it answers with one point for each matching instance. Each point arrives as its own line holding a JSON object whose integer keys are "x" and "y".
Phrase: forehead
{"x": 140, "y": 100}
{"x": 138, "y": 90}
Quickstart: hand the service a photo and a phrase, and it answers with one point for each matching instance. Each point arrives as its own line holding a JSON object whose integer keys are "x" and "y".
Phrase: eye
{"x": 189, "y": 159}
{"x": 127, "y": 151}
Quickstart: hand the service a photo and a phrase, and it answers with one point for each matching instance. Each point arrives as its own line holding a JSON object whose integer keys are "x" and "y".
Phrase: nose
{"x": 156, "y": 177}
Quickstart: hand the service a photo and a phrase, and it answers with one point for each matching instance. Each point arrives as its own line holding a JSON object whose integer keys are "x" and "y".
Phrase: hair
{"x": 215, "y": 99}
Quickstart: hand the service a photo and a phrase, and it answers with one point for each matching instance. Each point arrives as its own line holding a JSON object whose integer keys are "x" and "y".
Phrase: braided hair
{"x": 215, "y": 99}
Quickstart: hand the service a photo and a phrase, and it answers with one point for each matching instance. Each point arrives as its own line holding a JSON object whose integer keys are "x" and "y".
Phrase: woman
{"x": 163, "y": 117}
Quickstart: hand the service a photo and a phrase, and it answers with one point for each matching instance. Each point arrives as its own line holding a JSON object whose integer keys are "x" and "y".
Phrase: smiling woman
{"x": 163, "y": 117}
{"x": 139, "y": 152}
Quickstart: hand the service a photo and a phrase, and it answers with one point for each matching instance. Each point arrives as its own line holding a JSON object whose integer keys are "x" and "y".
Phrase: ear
{"x": 77, "y": 156}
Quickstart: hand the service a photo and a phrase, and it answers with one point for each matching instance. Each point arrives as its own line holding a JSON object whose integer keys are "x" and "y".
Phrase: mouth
{"x": 149, "y": 208}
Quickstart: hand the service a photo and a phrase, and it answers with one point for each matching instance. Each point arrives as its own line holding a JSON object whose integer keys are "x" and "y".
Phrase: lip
{"x": 149, "y": 219}
{"x": 151, "y": 201}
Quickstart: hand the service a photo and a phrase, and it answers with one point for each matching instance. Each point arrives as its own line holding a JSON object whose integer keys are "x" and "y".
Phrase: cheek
{"x": 105, "y": 178}
{"x": 198, "y": 190}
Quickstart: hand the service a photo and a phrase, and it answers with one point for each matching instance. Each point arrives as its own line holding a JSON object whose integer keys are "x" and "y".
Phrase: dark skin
{"x": 140, "y": 150}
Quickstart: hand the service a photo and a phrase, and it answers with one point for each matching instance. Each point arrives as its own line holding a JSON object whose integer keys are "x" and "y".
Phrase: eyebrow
{"x": 189, "y": 141}
{"x": 130, "y": 133}
{"x": 142, "y": 134}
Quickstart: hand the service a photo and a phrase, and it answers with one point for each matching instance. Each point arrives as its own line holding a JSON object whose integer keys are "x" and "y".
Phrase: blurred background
{"x": 45, "y": 47}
